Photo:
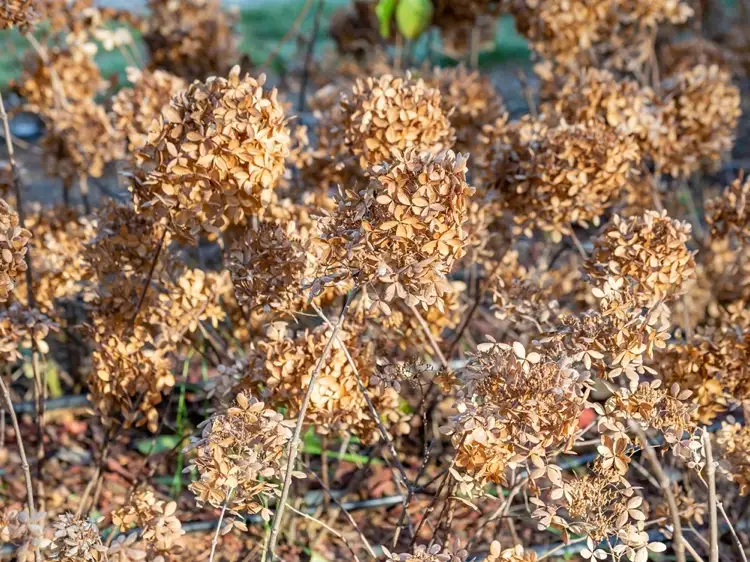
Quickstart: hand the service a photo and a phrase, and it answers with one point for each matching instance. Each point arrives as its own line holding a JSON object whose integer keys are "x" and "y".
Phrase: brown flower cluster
{"x": 734, "y": 444}
{"x": 644, "y": 256}
{"x": 77, "y": 540}
{"x": 14, "y": 240}
{"x": 565, "y": 175}
{"x": 384, "y": 117}
{"x": 515, "y": 554}
{"x": 714, "y": 365}
{"x": 23, "y": 328}
{"x": 280, "y": 367}
{"x": 240, "y": 456}
{"x": 214, "y": 157}
{"x": 136, "y": 108}
{"x": 269, "y": 268}
{"x": 76, "y": 79}
{"x": 128, "y": 380}
{"x": 698, "y": 115}
{"x": 515, "y": 406}
{"x": 729, "y": 213}
{"x": 159, "y": 529}
{"x": 470, "y": 100}
{"x": 79, "y": 142}
{"x": 422, "y": 553}
{"x": 21, "y": 14}
{"x": 24, "y": 531}
{"x": 193, "y": 39}
{"x": 401, "y": 234}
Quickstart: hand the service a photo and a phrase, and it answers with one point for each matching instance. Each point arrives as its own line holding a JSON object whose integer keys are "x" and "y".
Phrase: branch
{"x": 712, "y": 518}
{"x": 294, "y": 444}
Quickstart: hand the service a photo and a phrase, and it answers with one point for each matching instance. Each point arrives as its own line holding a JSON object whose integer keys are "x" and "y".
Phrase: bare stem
{"x": 215, "y": 541}
{"x": 19, "y": 197}
{"x": 21, "y": 449}
{"x": 294, "y": 444}
{"x": 429, "y": 336}
{"x": 664, "y": 484}
{"x": 712, "y": 517}
{"x": 288, "y": 35}
{"x": 147, "y": 284}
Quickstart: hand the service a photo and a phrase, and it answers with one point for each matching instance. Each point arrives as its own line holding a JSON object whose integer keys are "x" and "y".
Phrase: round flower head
{"x": 388, "y": 115}
{"x": 77, "y": 540}
{"x": 79, "y": 142}
{"x": 78, "y": 74}
{"x": 241, "y": 452}
{"x": 279, "y": 370}
{"x": 565, "y": 175}
{"x": 470, "y": 99}
{"x": 192, "y": 39}
{"x": 403, "y": 232}
{"x": 646, "y": 256}
{"x": 20, "y": 14}
{"x": 135, "y": 108}
{"x": 697, "y": 121}
{"x": 215, "y": 155}
{"x": 729, "y": 213}
{"x": 514, "y": 405}
{"x": 14, "y": 240}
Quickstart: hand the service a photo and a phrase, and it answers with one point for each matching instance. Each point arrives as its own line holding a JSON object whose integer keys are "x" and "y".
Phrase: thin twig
{"x": 19, "y": 198}
{"x": 713, "y": 526}
{"x": 147, "y": 284}
{"x": 327, "y": 528}
{"x": 664, "y": 484}
{"x": 309, "y": 56}
{"x": 429, "y": 336}
{"x": 294, "y": 444}
{"x": 292, "y": 30}
{"x": 215, "y": 541}
{"x": 21, "y": 449}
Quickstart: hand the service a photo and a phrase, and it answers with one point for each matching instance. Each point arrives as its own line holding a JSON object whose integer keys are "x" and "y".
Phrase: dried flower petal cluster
{"x": 240, "y": 456}
{"x": 729, "y": 213}
{"x": 386, "y": 116}
{"x": 734, "y": 443}
{"x": 20, "y": 14}
{"x": 214, "y": 157}
{"x": 14, "y": 240}
{"x": 401, "y": 234}
{"x": 160, "y": 529}
{"x": 77, "y": 540}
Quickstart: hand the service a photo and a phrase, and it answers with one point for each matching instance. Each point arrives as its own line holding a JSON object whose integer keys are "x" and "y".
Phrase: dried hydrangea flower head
{"x": 470, "y": 99}
{"x": 79, "y": 76}
{"x": 514, "y": 406}
{"x": 646, "y": 256}
{"x": 20, "y": 14}
{"x": 388, "y": 115}
{"x": 698, "y": 118}
{"x": 729, "y": 213}
{"x": 279, "y": 370}
{"x": 713, "y": 364}
{"x": 402, "y": 233}
{"x": 60, "y": 271}
{"x": 734, "y": 445}
{"x": 422, "y": 553}
{"x": 564, "y": 175}
{"x": 596, "y": 94}
{"x": 14, "y": 240}
{"x": 467, "y": 26}
{"x": 240, "y": 456}
{"x": 77, "y": 540}
{"x": 136, "y": 107}
{"x": 192, "y": 39}
{"x": 269, "y": 267}
{"x": 653, "y": 405}
{"x": 215, "y": 155}
{"x": 23, "y": 328}
{"x": 124, "y": 369}
{"x": 23, "y": 531}
{"x": 79, "y": 141}
{"x": 160, "y": 529}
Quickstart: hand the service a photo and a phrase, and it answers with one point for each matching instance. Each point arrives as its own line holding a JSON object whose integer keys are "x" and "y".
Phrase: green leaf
{"x": 384, "y": 11}
{"x": 413, "y": 17}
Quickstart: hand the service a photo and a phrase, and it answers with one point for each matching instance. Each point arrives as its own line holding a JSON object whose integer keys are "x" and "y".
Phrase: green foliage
{"x": 385, "y": 10}
{"x": 413, "y": 17}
